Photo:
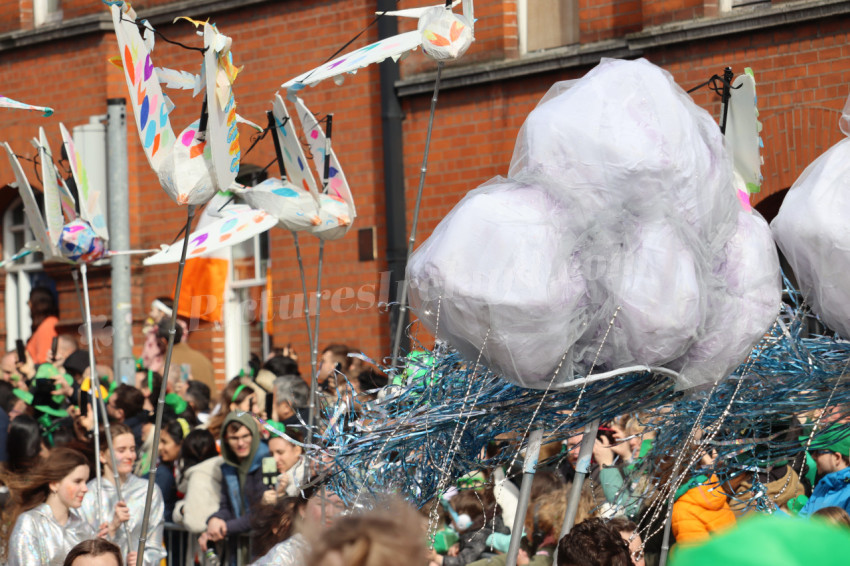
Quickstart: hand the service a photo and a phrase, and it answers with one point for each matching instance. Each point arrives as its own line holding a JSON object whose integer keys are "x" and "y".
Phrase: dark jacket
{"x": 241, "y": 481}
{"x": 473, "y": 543}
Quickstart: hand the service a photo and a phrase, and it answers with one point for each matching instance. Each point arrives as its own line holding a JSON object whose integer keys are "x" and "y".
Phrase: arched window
{"x": 19, "y": 274}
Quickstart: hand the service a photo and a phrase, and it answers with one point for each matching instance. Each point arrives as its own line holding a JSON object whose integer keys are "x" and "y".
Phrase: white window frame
{"x": 237, "y": 338}
{"x": 44, "y": 14}
{"x": 18, "y": 277}
{"x": 528, "y": 11}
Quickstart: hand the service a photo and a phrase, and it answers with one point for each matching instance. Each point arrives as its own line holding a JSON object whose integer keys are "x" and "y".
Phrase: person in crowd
{"x": 237, "y": 395}
{"x": 389, "y": 537}
{"x": 274, "y": 523}
{"x": 304, "y": 519}
{"x": 336, "y": 367}
{"x": 200, "y": 481}
{"x": 202, "y": 368}
{"x": 95, "y": 552}
{"x": 174, "y": 430}
{"x": 197, "y": 394}
{"x": 45, "y": 317}
{"x": 242, "y": 477}
{"x": 133, "y": 490}
{"x": 700, "y": 508}
{"x": 593, "y": 543}
{"x": 127, "y": 405}
{"x": 149, "y": 383}
{"x": 152, "y": 354}
{"x": 199, "y": 473}
{"x": 290, "y": 462}
{"x": 25, "y": 445}
{"x": 281, "y": 365}
{"x": 629, "y": 531}
{"x": 44, "y": 512}
{"x": 831, "y": 451}
{"x": 291, "y": 395}
{"x": 8, "y": 369}
{"x": 484, "y": 519}
{"x": 834, "y": 515}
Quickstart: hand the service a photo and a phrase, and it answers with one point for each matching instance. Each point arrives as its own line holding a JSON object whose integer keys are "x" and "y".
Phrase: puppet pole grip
{"x": 532, "y": 453}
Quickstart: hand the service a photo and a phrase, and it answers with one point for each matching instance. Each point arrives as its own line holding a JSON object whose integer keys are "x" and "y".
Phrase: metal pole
{"x": 665, "y": 542}
{"x": 532, "y": 453}
{"x": 100, "y": 405}
{"x": 93, "y": 383}
{"x": 582, "y": 468}
{"x": 119, "y": 239}
{"x": 402, "y": 306}
{"x": 160, "y": 406}
{"x": 314, "y": 354}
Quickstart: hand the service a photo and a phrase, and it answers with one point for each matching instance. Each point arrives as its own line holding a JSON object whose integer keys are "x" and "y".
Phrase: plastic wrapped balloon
{"x": 497, "y": 274}
{"x": 80, "y": 243}
{"x": 617, "y": 240}
{"x": 813, "y": 232}
{"x": 445, "y": 35}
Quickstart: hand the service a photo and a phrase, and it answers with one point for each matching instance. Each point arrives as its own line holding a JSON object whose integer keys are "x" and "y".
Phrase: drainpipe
{"x": 394, "y": 200}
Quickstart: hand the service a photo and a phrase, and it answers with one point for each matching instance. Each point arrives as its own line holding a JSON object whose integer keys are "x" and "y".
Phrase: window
{"x": 46, "y": 12}
{"x": 545, "y": 24}
{"x": 20, "y": 275}
{"x": 728, "y": 5}
{"x": 245, "y": 295}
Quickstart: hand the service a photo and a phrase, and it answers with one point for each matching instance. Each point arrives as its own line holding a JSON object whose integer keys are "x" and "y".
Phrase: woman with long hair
{"x": 44, "y": 512}
{"x": 290, "y": 523}
{"x": 133, "y": 490}
{"x": 24, "y": 444}
{"x": 200, "y": 481}
{"x": 174, "y": 430}
{"x": 199, "y": 473}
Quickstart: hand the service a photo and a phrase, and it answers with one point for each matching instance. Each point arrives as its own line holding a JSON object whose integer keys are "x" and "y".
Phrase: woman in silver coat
{"x": 44, "y": 511}
{"x": 134, "y": 491}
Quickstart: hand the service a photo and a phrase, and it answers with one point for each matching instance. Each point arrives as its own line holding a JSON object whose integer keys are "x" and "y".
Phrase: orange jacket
{"x": 700, "y": 511}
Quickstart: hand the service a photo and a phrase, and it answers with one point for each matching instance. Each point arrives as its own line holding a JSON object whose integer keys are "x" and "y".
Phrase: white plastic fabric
{"x": 616, "y": 240}
{"x": 813, "y": 231}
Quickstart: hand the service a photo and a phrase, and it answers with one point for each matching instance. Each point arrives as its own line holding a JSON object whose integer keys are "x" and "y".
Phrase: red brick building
{"x": 55, "y": 53}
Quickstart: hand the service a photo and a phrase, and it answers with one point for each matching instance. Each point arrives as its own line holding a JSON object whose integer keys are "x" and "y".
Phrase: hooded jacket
{"x": 241, "y": 480}
{"x": 833, "y": 490}
{"x": 781, "y": 485}
{"x": 700, "y": 509}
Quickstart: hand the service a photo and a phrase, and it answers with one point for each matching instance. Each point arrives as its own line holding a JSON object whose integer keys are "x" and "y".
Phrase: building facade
{"x": 56, "y": 53}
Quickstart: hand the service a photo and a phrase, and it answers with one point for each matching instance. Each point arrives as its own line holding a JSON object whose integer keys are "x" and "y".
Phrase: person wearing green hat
{"x": 831, "y": 451}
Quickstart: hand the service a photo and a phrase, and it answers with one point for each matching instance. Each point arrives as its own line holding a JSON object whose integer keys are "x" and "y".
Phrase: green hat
{"x": 24, "y": 396}
{"x": 835, "y": 438}
{"x": 27, "y": 398}
{"x": 176, "y": 402}
{"x": 278, "y": 426}
{"x": 781, "y": 541}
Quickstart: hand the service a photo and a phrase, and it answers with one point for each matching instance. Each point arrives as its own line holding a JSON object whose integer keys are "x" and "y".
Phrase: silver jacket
{"x": 134, "y": 491}
{"x": 39, "y": 540}
{"x": 291, "y": 552}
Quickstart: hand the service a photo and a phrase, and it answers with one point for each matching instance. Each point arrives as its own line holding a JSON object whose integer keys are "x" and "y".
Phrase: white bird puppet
{"x": 204, "y": 158}
{"x": 9, "y": 103}
{"x": 442, "y": 34}
{"x": 84, "y": 238}
{"x": 296, "y": 201}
